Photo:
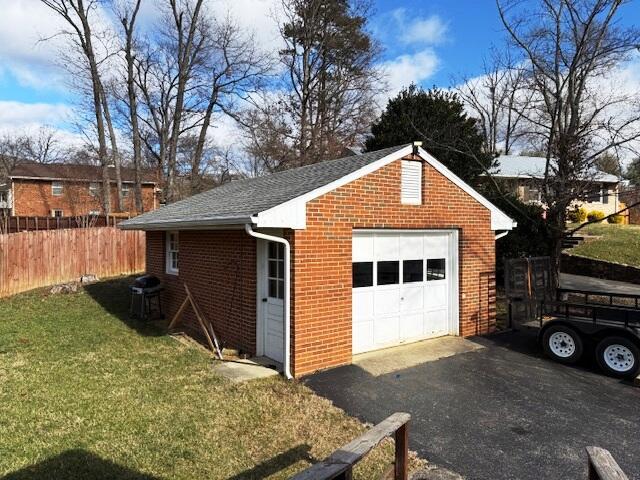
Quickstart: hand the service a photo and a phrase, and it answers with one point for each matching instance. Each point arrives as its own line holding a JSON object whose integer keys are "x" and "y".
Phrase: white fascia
{"x": 293, "y": 213}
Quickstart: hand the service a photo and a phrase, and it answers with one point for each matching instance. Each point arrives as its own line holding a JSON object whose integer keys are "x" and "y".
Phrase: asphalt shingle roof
{"x": 241, "y": 199}
{"x": 74, "y": 171}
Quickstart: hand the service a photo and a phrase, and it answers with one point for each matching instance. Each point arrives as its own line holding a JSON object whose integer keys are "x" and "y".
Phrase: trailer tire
{"x": 618, "y": 357}
{"x": 562, "y": 344}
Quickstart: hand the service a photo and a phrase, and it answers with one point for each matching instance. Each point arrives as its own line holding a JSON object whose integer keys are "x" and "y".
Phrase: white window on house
{"x": 4, "y": 197}
{"x": 56, "y": 189}
{"x": 94, "y": 189}
{"x": 604, "y": 194}
{"x": 531, "y": 193}
{"x": 172, "y": 252}
{"x": 411, "y": 182}
{"x": 57, "y": 213}
{"x": 125, "y": 190}
{"x": 94, "y": 212}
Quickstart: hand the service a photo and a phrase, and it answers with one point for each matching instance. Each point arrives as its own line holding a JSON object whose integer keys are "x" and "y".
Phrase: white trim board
{"x": 292, "y": 213}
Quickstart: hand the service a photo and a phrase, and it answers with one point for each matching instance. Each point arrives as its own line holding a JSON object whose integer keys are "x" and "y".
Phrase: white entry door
{"x": 402, "y": 285}
{"x": 273, "y": 302}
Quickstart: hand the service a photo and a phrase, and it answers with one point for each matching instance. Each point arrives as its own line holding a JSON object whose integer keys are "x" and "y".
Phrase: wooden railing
{"x": 602, "y": 465}
{"x": 339, "y": 465}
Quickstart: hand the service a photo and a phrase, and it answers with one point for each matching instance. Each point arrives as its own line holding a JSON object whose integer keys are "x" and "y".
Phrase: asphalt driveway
{"x": 503, "y": 411}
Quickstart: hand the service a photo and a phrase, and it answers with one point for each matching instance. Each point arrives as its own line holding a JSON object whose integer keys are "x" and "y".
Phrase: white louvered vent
{"x": 411, "y": 190}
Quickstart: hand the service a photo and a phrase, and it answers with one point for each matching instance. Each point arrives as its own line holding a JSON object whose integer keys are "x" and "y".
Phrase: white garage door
{"x": 402, "y": 287}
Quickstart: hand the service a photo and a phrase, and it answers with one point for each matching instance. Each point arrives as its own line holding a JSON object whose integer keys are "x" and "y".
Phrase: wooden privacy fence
{"x": 10, "y": 224}
{"x": 41, "y": 258}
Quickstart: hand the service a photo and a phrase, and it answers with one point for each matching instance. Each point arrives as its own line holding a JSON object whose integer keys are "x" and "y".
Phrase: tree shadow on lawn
{"x": 277, "y": 463}
{"x": 77, "y": 464}
{"x": 114, "y": 296}
{"x": 80, "y": 464}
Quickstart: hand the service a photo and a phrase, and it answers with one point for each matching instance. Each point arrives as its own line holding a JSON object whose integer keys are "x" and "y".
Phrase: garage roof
{"x": 278, "y": 200}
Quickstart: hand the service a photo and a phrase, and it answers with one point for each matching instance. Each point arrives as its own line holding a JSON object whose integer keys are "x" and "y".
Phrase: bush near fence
{"x": 47, "y": 257}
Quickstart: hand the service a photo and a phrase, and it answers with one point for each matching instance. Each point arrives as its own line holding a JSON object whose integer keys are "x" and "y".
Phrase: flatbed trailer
{"x": 603, "y": 322}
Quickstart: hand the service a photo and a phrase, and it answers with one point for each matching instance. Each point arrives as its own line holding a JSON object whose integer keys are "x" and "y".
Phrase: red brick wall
{"x": 220, "y": 269}
{"x": 34, "y": 198}
{"x": 321, "y": 312}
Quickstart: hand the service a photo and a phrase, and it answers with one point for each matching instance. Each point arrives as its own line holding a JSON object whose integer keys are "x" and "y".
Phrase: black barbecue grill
{"x": 145, "y": 298}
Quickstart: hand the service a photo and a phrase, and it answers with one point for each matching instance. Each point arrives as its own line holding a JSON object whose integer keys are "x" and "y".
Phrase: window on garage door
{"x": 362, "y": 274}
{"x": 388, "y": 272}
{"x": 436, "y": 268}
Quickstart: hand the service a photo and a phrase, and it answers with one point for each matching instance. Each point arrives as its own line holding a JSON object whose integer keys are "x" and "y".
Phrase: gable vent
{"x": 411, "y": 189}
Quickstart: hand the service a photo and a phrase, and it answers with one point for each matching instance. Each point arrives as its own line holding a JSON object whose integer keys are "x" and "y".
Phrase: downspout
{"x": 287, "y": 293}
{"x": 503, "y": 234}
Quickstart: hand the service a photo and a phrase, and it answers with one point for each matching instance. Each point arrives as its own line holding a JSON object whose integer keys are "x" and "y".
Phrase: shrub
{"x": 595, "y": 216}
{"x": 530, "y": 238}
{"x": 577, "y": 215}
{"x": 618, "y": 219}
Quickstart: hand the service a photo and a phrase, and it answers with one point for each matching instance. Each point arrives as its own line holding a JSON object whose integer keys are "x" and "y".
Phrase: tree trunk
{"x": 115, "y": 154}
{"x": 202, "y": 137}
{"x": 133, "y": 106}
{"x": 97, "y": 105}
{"x": 184, "y": 55}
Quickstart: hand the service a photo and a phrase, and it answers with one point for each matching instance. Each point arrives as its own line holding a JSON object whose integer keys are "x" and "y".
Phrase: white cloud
{"x": 23, "y": 25}
{"x": 18, "y": 118}
{"x": 19, "y": 114}
{"x": 409, "y": 68}
{"x": 256, "y": 17}
{"x": 431, "y": 30}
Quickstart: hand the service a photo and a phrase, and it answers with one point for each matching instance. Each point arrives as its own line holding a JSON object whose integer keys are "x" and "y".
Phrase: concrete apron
{"x": 238, "y": 371}
{"x": 388, "y": 360}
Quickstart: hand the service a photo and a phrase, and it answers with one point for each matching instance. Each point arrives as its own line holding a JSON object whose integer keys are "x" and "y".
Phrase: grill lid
{"x": 146, "y": 281}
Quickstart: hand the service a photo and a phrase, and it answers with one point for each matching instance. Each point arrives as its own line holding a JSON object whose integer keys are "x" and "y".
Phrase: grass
{"x": 617, "y": 243}
{"x": 86, "y": 394}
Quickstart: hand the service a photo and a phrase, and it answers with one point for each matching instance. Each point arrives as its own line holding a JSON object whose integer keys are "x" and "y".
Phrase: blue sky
{"x": 430, "y": 42}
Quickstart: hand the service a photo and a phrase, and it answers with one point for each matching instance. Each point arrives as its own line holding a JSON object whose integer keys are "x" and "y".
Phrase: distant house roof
{"x": 76, "y": 172}
{"x": 519, "y": 166}
{"x": 279, "y": 199}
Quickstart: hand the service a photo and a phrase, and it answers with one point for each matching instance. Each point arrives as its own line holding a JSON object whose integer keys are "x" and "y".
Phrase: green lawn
{"x": 617, "y": 243}
{"x": 86, "y": 394}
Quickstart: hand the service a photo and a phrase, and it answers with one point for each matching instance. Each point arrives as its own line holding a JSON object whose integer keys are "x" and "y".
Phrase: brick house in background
{"x": 64, "y": 190}
{"x": 313, "y": 265}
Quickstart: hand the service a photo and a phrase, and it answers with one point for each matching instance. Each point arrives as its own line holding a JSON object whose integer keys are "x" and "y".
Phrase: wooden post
{"x": 346, "y": 475}
{"x": 602, "y": 465}
{"x": 402, "y": 453}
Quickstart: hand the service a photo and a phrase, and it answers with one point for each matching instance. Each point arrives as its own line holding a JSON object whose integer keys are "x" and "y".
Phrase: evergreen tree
{"x": 438, "y": 119}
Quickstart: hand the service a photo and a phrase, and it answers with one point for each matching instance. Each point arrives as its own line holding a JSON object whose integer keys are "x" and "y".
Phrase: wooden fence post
{"x": 402, "y": 453}
{"x": 602, "y": 465}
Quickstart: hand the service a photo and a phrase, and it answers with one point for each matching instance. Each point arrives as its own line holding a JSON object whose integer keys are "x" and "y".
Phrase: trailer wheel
{"x": 562, "y": 344}
{"x": 618, "y": 357}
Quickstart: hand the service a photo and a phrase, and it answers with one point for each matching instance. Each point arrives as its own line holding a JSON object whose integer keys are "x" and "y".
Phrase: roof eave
{"x": 63, "y": 179}
{"x": 200, "y": 224}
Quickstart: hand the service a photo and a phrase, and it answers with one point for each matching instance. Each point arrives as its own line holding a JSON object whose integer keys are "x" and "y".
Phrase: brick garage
{"x": 321, "y": 211}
